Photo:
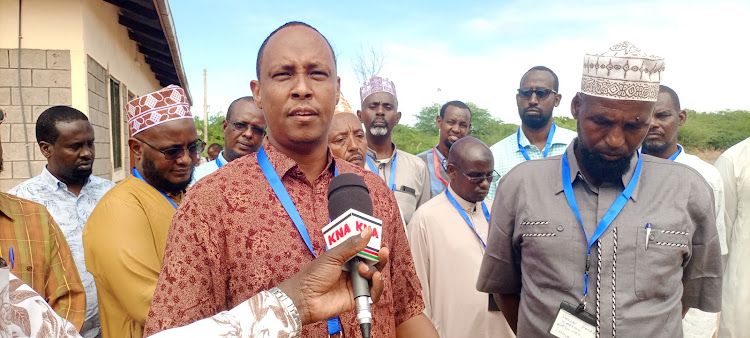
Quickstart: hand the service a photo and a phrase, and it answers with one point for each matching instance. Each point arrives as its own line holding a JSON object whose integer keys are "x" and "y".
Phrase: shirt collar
{"x": 466, "y": 205}
{"x": 221, "y": 159}
{"x": 284, "y": 164}
{"x": 439, "y": 154}
{"x": 557, "y": 138}
{"x": 374, "y": 155}
{"x": 51, "y": 180}
{"x": 6, "y": 199}
{"x": 575, "y": 170}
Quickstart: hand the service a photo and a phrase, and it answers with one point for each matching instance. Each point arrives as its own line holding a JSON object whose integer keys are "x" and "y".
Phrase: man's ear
{"x": 451, "y": 169}
{"x": 46, "y": 149}
{"x": 398, "y": 117}
{"x": 682, "y": 116}
{"x": 438, "y": 119}
{"x": 136, "y": 147}
{"x": 255, "y": 87}
{"x": 558, "y": 97}
{"x": 359, "y": 116}
{"x": 575, "y": 105}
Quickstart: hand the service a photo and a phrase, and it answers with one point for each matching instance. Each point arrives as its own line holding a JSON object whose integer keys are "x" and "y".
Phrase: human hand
{"x": 322, "y": 290}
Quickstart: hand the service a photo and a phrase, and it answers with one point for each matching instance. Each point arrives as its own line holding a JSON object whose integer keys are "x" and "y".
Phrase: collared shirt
{"x": 447, "y": 255}
{"x": 205, "y": 169}
{"x": 42, "y": 257}
{"x": 70, "y": 212}
{"x": 507, "y": 155}
{"x": 232, "y": 238}
{"x": 734, "y": 167}
{"x": 261, "y": 315}
{"x": 123, "y": 243}
{"x": 537, "y": 248}
{"x": 436, "y": 185}
{"x": 412, "y": 179}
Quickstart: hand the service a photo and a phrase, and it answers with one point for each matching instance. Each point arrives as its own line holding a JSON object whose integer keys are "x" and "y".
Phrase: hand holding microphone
{"x": 321, "y": 290}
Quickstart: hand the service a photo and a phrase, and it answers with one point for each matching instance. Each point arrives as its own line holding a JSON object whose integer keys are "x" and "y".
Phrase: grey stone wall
{"x": 98, "y": 80}
{"x": 45, "y": 82}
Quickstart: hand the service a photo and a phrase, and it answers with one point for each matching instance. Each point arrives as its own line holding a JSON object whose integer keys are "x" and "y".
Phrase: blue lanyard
{"x": 546, "y": 147}
{"x": 283, "y": 195}
{"x": 679, "y": 150}
{"x": 374, "y": 169}
{"x": 138, "y": 175}
{"x": 608, "y": 218}
{"x": 465, "y": 216}
{"x": 219, "y": 163}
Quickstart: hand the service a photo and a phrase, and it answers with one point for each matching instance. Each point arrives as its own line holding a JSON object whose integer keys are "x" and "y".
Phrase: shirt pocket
{"x": 658, "y": 269}
{"x": 546, "y": 248}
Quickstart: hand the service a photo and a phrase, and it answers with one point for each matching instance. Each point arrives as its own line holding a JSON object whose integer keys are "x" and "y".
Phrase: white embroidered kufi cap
{"x": 623, "y": 72}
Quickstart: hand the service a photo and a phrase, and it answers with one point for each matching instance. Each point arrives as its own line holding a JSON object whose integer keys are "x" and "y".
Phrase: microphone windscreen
{"x": 348, "y": 191}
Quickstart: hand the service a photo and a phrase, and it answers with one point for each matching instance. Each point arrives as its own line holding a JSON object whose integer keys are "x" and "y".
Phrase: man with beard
{"x": 259, "y": 220}
{"x": 661, "y": 141}
{"x": 346, "y": 138}
{"x": 67, "y": 189}
{"x": 125, "y": 236}
{"x": 453, "y": 122}
{"x": 585, "y": 241}
{"x": 243, "y": 129}
{"x": 404, "y": 173}
{"x": 457, "y": 219}
{"x": 35, "y": 250}
{"x": 538, "y": 136}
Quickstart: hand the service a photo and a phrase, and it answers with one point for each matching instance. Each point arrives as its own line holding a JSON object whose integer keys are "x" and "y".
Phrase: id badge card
{"x": 572, "y": 323}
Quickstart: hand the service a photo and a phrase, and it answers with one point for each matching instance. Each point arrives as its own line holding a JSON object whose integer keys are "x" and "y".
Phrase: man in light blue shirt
{"x": 453, "y": 122}
{"x": 538, "y": 137}
{"x": 67, "y": 189}
{"x": 244, "y": 129}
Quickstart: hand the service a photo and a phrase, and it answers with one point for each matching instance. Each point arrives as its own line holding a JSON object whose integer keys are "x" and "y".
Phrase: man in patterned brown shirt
{"x": 232, "y": 238}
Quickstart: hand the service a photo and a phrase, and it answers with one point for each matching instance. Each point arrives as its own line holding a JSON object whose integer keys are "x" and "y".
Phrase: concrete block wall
{"x": 98, "y": 81}
{"x": 45, "y": 82}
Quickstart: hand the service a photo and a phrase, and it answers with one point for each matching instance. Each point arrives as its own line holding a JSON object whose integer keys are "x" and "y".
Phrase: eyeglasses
{"x": 479, "y": 179}
{"x": 174, "y": 153}
{"x": 242, "y": 127}
{"x": 541, "y": 93}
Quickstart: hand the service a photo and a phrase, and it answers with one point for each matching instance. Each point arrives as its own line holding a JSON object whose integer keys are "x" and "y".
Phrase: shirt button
{"x": 29, "y": 268}
{"x": 652, "y": 237}
{"x": 560, "y": 228}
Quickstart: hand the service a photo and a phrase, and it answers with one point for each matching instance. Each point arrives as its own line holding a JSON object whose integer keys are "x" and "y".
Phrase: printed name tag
{"x": 571, "y": 323}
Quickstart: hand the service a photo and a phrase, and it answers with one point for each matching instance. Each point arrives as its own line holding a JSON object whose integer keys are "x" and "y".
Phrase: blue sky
{"x": 475, "y": 51}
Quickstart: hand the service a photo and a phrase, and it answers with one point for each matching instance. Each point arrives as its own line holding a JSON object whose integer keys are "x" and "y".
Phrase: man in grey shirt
{"x": 600, "y": 240}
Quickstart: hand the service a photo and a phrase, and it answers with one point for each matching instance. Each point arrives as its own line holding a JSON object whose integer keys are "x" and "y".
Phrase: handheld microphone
{"x": 350, "y": 207}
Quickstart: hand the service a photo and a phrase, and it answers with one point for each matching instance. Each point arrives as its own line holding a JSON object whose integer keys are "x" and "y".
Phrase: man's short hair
{"x": 46, "y": 130}
{"x": 229, "y": 109}
{"x": 673, "y": 94}
{"x": 288, "y": 24}
{"x": 456, "y": 103}
{"x": 543, "y": 68}
{"x": 216, "y": 145}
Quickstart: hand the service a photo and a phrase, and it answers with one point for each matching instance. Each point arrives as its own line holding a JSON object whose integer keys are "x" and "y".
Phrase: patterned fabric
{"x": 70, "y": 212}
{"x": 343, "y": 106}
{"x": 436, "y": 185}
{"x": 232, "y": 238}
{"x": 507, "y": 155}
{"x": 376, "y": 84}
{"x": 260, "y": 316}
{"x": 123, "y": 244}
{"x": 206, "y": 169}
{"x": 169, "y": 103}
{"x": 623, "y": 73}
{"x": 28, "y": 314}
{"x": 42, "y": 257}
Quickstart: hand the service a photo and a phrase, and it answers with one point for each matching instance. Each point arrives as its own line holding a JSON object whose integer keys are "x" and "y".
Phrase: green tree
{"x": 566, "y": 122}
{"x": 483, "y": 126}
{"x": 215, "y": 133}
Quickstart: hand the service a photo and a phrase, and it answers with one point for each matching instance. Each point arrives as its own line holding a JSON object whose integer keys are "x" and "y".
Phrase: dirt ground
{"x": 708, "y": 155}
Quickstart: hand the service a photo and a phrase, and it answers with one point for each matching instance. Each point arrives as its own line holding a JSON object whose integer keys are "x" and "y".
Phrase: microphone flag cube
{"x": 352, "y": 223}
